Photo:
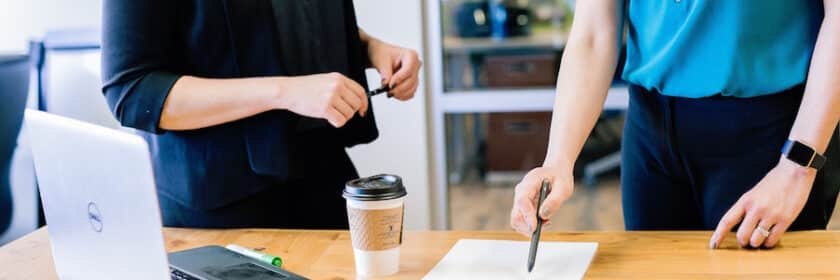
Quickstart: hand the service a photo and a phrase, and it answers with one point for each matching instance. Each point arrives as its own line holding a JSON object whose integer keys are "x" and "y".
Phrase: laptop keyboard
{"x": 180, "y": 275}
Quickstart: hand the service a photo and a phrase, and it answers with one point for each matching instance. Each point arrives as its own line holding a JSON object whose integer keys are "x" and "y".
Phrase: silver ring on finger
{"x": 763, "y": 231}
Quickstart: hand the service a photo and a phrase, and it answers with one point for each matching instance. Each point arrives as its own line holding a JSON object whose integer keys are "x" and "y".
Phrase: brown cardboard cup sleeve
{"x": 375, "y": 229}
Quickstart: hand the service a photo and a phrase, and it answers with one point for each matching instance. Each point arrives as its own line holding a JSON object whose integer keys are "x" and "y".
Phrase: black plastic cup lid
{"x": 379, "y": 187}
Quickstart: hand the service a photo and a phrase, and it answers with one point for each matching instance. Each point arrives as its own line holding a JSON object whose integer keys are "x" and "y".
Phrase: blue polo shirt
{"x": 700, "y": 48}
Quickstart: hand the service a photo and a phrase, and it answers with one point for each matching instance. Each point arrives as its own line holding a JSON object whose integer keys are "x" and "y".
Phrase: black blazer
{"x": 147, "y": 45}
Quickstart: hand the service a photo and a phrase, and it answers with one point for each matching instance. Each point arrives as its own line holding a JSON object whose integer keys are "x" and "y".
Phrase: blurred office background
{"x": 480, "y": 120}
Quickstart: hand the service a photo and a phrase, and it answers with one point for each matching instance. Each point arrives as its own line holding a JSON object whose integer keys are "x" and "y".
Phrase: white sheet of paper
{"x": 503, "y": 259}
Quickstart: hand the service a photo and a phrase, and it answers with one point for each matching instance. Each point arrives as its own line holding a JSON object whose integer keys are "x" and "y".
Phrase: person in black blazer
{"x": 248, "y": 106}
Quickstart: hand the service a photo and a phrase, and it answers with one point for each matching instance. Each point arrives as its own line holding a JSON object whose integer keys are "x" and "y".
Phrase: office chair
{"x": 14, "y": 84}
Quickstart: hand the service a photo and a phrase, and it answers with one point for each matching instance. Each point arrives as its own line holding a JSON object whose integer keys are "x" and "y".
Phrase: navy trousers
{"x": 686, "y": 161}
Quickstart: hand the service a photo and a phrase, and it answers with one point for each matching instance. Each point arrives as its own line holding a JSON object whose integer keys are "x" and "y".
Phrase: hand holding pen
{"x": 523, "y": 215}
{"x": 399, "y": 67}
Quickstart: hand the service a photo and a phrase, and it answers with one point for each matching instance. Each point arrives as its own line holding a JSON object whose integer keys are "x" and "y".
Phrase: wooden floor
{"x": 487, "y": 207}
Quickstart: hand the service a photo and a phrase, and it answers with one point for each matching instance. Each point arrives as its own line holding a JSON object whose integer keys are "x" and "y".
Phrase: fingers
{"x": 408, "y": 65}
{"x": 351, "y": 99}
{"x": 757, "y": 238}
{"x": 334, "y": 117}
{"x": 342, "y": 107}
{"x": 559, "y": 194}
{"x": 523, "y": 216}
{"x": 523, "y": 206}
{"x": 547, "y": 225}
{"x": 338, "y": 110}
{"x": 747, "y": 228}
{"x": 358, "y": 93}
{"x": 517, "y": 222}
{"x": 386, "y": 73}
{"x": 358, "y": 104}
{"x": 776, "y": 234}
{"x": 338, "y": 99}
{"x": 406, "y": 90}
{"x": 399, "y": 75}
{"x": 727, "y": 222}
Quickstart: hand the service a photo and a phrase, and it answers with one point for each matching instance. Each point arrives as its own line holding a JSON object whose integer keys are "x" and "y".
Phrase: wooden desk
{"x": 621, "y": 255}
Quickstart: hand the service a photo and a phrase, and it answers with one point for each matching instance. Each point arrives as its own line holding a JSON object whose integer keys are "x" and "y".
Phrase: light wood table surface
{"x": 621, "y": 255}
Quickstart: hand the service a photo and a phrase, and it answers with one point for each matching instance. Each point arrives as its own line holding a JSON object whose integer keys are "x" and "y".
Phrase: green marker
{"x": 260, "y": 256}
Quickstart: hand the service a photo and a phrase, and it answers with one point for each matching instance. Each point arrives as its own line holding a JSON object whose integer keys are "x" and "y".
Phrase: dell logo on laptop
{"x": 94, "y": 217}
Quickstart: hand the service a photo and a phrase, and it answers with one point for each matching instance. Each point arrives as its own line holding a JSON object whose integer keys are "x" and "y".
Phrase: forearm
{"x": 367, "y": 40}
{"x": 819, "y": 111}
{"x": 195, "y": 103}
{"x": 585, "y": 75}
{"x": 365, "y": 37}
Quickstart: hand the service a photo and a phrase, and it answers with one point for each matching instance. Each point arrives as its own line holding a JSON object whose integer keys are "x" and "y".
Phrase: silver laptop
{"x": 99, "y": 198}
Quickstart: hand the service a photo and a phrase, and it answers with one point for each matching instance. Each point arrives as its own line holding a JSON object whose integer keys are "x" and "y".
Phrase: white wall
{"x": 402, "y": 147}
{"x": 22, "y": 20}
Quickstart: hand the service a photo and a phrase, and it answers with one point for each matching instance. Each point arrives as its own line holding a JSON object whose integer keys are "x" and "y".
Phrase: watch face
{"x": 800, "y": 153}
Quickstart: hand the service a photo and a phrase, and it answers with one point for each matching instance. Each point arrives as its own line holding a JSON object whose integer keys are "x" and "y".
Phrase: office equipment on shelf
{"x": 508, "y": 19}
{"x": 521, "y": 70}
{"x": 101, "y": 205}
{"x": 502, "y": 259}
{"x": 516, "y": 141}
{"x": 497, "y": 18}
{"x": 472, "y": 19}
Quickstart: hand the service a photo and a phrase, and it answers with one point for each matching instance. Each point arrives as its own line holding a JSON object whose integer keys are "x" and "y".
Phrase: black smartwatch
{"x": 802, "y": 154}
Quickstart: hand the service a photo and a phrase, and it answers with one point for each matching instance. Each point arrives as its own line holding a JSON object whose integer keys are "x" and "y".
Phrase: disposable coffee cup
{"x": 375, "y": 209}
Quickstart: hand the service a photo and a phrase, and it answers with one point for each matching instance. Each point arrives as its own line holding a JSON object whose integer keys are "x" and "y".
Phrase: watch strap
{"x": 818, "y": 161}
{"x": 802, "y": 154}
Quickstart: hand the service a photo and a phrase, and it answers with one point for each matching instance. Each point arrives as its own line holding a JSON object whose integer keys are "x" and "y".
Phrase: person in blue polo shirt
{"x": 734, "y": 107}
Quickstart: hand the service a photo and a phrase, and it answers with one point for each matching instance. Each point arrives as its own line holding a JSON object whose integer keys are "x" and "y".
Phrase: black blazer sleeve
{"x": 137, "y": 49}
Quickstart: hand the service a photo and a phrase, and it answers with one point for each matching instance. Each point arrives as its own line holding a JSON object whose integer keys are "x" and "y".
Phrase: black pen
{"x": 535, "y": 237}
{"x": 379, "y": 91}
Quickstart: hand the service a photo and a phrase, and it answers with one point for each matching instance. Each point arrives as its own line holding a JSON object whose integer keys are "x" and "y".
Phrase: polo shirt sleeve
{"x": 137, "y": 49}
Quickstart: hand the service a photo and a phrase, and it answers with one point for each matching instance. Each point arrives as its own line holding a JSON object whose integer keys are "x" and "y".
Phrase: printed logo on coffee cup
{"x": 376, "y": 229}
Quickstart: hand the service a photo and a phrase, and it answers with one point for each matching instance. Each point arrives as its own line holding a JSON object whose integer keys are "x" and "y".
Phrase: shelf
{"x": 518, "y": 100}
{"x": 545, "y": 40}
